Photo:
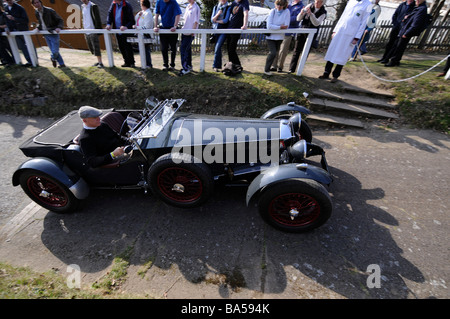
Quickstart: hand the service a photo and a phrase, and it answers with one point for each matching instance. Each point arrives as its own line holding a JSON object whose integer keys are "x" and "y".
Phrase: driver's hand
{"x": 119, "y": 151}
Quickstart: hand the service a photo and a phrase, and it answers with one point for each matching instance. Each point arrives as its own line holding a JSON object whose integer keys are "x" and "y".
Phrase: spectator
{"x": 191, "y": 20}
{"x": 18, "y": 21}
{"x": 446, "y": 68}
{"x": 120, "y": 16}
{"x": 346, "y": 34}
{"x": 402, "y": 10}
{"x": 371, "y": 24}
{"x": 238, "y": 20}
{"x": 311, "y": 17}
{"x": 92, "y": 20}
{"x": 5, "y": 50}
{"x": 294, "y": 8}
{"x": 279, "y": 18}
{"x": 219, "y": 19}
{"x": 411, "y": 26}
{"x": 49, "y": 20}
{"x": 144, "y": 21}
{"x": 170, "y": 14}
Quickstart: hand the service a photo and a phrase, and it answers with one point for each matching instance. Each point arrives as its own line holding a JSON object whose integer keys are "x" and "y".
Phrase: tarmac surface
{"x": 387, "y": 237}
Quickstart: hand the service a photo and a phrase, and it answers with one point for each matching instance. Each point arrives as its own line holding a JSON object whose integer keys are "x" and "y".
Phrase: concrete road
{"x": 387, "y": 237}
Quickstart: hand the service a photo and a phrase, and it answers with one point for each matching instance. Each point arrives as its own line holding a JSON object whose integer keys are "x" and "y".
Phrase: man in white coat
{"x": 346, "y": 34}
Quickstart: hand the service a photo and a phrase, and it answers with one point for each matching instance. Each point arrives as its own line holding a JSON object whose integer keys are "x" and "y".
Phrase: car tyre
{"x": 48, "y": 192}
{"x": 279, "y": 203}
{"x": 180, "y": 180}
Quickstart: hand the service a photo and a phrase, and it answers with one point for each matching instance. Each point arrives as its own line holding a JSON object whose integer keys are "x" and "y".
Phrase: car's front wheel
{"x": 295, "y": 205}
{"x": 48, "y": 192}
{"x": 180, "y": 181}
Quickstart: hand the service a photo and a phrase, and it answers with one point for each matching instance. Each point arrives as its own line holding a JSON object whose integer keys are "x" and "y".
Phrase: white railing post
{"x": 109, "y": 48}
{"x": 203, "y": 52}
{"x": 14, "y": 48}
{"x": 31, "y": 49}
{"x": 305, "y": 52}
{"x": 142, "y": 50}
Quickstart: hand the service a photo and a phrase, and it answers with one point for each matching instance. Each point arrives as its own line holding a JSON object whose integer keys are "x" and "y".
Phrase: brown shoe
{"x": 440, "y": 74}
{"x": 334, "y": 80}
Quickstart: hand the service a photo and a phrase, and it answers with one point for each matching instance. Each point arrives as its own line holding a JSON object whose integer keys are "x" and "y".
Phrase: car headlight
{"x": 298, "y": 150}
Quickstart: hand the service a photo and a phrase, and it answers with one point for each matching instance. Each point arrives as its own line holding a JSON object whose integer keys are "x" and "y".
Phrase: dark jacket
{"x": 51, "y": 19}
{"x": 413, "y": 23}
{"x": 3, "y": 19}
{"x": 402, "y": 10}
{"x": 127, "y": 16}
{"x": 20, "y": 22}
{"x": 97, "y": 144}
{"x": 95, "y": 15}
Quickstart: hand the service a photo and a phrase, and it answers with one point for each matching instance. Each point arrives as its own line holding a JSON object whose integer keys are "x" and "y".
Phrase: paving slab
{"x": 353, "y": 108}
{"x": 335, "y": 120}
{"x": 348, "y": 97}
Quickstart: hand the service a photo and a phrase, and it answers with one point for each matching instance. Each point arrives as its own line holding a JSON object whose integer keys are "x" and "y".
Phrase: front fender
{"x": 291, "y": 106}
{"x": 78, "y": 187}
{"x": 277, "y": 174}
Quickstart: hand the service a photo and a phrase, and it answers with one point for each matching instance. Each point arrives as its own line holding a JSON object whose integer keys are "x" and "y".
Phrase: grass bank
{"x": 424, "y": 101}
{"x": 209, "y": 93}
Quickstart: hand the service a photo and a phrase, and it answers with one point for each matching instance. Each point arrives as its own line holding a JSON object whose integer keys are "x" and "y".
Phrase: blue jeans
{"x": 20, "y": 40}
{"x": 218, "y": 50}
{"x": 362, "y": 46}
{"x": 186, "y": 51}
{"x": 53, "y": 44}
{"x": 148, "y": 55}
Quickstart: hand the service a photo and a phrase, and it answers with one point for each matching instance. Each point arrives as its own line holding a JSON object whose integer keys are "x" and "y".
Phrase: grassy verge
{"x": 424, "y": 101}
{"x": 210, "y": 93}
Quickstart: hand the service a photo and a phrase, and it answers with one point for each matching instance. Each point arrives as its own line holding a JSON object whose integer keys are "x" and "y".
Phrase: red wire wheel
{"x": 180, "y": 180}
{"x": 179, "y": 184}
{"x": 295, "y": 205}
{"x": 294, "y": 209}
{"x": 47, "y": 191}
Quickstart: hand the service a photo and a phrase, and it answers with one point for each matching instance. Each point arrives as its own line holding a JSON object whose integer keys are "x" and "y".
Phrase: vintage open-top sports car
{"x": 179, "y": 157}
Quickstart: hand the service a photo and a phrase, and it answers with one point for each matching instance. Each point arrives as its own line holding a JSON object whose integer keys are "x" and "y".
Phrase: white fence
{"x": 140, "y": 36}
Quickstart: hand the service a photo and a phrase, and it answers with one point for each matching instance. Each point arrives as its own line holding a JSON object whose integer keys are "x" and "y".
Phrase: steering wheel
{"x": 128, "y": 153}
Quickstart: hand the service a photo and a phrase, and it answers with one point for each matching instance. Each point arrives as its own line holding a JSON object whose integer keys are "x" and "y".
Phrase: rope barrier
{"x": 401, "y": 80}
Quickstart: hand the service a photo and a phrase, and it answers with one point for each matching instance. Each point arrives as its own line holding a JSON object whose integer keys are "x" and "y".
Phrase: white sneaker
{"x": 268, "y": 73}
{"x": 184, "y": 72}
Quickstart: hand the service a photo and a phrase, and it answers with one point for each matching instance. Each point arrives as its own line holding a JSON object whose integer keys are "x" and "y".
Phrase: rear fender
{"x": 290, "y": 107}
{"x": 278, "y": 174}
{"x": 78, "y": 187}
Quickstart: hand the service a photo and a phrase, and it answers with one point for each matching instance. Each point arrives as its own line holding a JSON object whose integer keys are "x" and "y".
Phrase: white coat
{"x": 351, "y": 25}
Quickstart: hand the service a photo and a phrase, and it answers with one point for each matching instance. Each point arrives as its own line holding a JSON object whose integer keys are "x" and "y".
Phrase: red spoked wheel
{"x": 179, "y": 180}
{"x": 295, "y": 205}
{"x": 180, "y": 184}
{"x": 47, "y": 191}
{"x": 294, "y": 209}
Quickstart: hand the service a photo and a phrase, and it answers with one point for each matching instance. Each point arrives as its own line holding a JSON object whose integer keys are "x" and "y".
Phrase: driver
{"x": 99, "y": 143}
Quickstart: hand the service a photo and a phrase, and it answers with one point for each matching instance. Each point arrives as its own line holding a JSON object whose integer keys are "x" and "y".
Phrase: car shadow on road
{"x": 226, "y": 244}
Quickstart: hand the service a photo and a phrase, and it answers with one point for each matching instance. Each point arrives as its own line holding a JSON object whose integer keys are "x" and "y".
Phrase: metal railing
{"x": 140, "y": 36}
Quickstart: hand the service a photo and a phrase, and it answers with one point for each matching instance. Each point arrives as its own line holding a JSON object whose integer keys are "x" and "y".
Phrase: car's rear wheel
{"x": 180, "y": 181}
{"x": 295, "y": 205}
{"x": 48, "y": 192}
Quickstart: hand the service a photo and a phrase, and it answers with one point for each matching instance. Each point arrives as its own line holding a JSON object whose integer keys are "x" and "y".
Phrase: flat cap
{"x": 88, "y": 111}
